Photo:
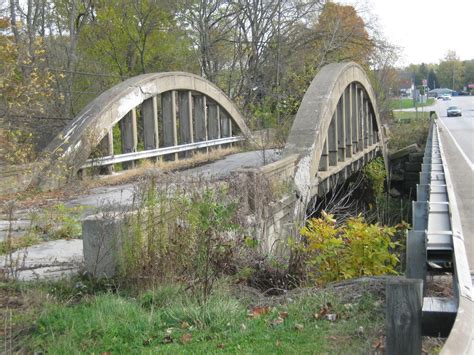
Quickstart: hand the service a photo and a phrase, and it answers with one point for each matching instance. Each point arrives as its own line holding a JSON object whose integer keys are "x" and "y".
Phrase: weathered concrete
{"x": 102, "y": 241}
{"x": 313, "y": 122}
{"x": 50, "y": 260}
{"x": 150, "y": 123}
{"x": 69, "y": 150}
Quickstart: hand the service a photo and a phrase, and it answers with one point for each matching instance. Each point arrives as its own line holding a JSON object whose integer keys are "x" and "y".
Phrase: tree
{"x": 210, "y": 23}
{"x": 451, "y": 72}
{"x": 423, "y": 72}
{"x": 433, "y": 82}
{"x": 25, "y": 92}
{"x": 337, "y": 34}
{"x": 343, "y": 34}
{"x": 468, "y": 72}
{"x": 135, "y": 37}
{"x": 384, "y": 77}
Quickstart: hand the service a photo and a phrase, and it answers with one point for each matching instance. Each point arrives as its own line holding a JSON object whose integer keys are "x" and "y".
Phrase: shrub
{"x": 376, "y": 174}
{"x": 179, "y": 234}
{"x": 351, "y": 250}
{"x": 404, "y": 134}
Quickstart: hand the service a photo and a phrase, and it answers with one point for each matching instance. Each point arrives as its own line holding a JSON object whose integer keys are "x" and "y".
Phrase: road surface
{"x": 58, "y": 257}
{"x": 457, "y": 137}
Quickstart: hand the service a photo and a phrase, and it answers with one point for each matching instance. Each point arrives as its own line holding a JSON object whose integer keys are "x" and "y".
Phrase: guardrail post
{"x": 416, "y": 255}
{"x": 404, "y": 299}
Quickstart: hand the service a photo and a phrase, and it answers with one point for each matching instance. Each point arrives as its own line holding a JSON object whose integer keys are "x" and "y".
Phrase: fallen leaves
{"x": 299, "y": 327}
{"x": 186, "y": 338}
{"x": 185, "y": 325}
{"x": 326, "y": 312}
{"x": 277, "y": 321}
{"x": 258, "y": 311}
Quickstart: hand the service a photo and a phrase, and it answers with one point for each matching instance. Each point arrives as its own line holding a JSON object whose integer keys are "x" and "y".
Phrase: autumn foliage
{"x": 337, "y": 252}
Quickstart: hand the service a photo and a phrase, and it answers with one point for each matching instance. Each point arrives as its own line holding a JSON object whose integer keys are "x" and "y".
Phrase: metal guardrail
{"x": 436, "y": 245}
{"x": 151, "y": 153}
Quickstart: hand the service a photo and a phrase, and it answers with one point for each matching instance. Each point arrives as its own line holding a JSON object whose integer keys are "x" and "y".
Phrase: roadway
{"x": 457, "y": 137}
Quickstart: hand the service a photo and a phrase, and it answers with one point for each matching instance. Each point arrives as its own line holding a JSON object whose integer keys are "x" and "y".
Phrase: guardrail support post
{"x": 404, "y": 299}
{"x": 416, "y": 255}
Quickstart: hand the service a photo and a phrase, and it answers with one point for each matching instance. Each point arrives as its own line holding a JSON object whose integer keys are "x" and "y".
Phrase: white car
{"x": 454, "y": 111}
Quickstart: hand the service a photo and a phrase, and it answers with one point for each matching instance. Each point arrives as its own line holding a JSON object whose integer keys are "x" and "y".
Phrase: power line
{"x": 79, "y": 72}
{"x": 41, "y": 117}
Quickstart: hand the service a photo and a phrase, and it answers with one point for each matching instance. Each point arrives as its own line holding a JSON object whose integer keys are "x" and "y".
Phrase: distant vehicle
{"x": 444, "y": 97}
{"x": 463, "y": 93}
{"x": 454, "y": 111}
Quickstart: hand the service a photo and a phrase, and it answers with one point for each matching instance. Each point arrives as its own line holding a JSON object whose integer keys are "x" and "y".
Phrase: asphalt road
{"x": 461, "y": 128}
{"x": 457, "y": 137}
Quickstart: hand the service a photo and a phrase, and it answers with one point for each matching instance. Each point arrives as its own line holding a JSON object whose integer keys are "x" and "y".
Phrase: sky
{"x": 425, "y": 29}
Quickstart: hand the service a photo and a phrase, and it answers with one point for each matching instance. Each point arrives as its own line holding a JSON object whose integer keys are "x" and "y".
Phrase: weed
{"x": 56, "y": 222}
{"x": 171, "y": 320}
{"x": 346, "y": 251}
{"x": 403, "y": 134}
{"x": 178, "y": 232}
{"x": 376, "y": 175}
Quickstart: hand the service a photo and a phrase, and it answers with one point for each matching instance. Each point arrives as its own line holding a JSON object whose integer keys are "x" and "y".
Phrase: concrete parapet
{"x": 102, "y": 241}
{"x": 282, "y": 169}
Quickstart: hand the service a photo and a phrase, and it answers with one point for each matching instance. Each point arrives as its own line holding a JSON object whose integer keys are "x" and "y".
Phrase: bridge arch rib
{"x": 336, "y": 127}
{"x": 192, "y": 110}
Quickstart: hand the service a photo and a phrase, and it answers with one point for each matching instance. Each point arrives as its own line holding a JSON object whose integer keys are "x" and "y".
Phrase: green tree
{"x": 423, "y": 72}
{"x": 136, "y": 37}
{"x": 468, "y": 72}
{"x": 451, "y": 72}
{"x": 433, "y": 82}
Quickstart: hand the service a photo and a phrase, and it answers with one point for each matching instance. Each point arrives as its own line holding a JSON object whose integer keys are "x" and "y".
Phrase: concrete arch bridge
{"x": 336, "y": 131}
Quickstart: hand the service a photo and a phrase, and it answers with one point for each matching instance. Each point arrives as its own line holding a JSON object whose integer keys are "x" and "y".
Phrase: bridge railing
{"x": 159, "y": 152}
{"x": 436, "y": 245}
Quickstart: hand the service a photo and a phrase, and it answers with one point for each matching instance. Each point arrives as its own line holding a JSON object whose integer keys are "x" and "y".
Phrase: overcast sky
{"x": 425, "y": 29}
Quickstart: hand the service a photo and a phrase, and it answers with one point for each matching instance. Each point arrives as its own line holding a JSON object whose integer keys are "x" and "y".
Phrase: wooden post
{"x": 404, "y": 299}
